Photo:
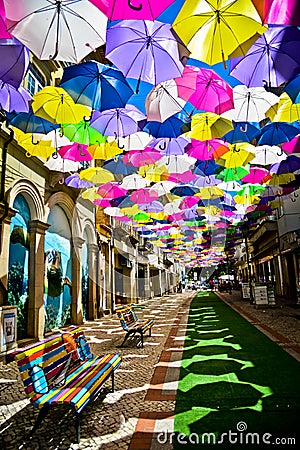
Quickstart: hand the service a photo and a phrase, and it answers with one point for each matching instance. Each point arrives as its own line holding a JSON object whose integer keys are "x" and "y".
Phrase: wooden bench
{"x": 131, "y": 323}
{"x": 62, "y": 370}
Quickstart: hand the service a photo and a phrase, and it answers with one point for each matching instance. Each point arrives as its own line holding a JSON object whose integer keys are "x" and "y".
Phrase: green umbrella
{"x": 83, "y": 133}
{"x": 233, "y": 174}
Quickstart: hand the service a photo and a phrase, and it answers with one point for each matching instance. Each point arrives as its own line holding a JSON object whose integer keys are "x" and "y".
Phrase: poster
{"x": 9, "y": 327}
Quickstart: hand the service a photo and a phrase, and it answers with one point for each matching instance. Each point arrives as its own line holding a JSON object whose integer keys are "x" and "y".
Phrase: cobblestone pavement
{"x": 145, "y": 384}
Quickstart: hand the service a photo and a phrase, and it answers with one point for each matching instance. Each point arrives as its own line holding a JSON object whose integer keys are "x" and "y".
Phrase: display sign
{"x": 246, "y": 290}
{"x": 260, "y": 295}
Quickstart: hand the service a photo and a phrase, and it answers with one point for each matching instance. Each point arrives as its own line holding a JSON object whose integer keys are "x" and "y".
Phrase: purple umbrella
{"x": 271, "y": 60}
{"x": 170, "y": 146}
{"x": 12, "y": 99}
{"x": 144, "y": 50}
{"x": 117, "y": 122}
{"x": 14, "y": 57}
{"x": 75, "y": 182}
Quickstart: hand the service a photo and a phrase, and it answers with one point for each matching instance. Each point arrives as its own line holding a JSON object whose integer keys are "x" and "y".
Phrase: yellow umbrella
{"x": 246, "y": 200}
{"x": 283, "y": 178}
{"x": 34, "y": 144}
{"x": 238, "y": 155}
{"x": 104, "y": 150}
{"x": 207, "y": 193}
{"x": 208, "y": 125}
{"x": 152, "y": 172}
{"x": 225, "y": 26}
{"x": 90, "y": 193}
{"x": 55, "y": 104}
{"x": 287, "y": 110}
{"x": 96, "y": 175}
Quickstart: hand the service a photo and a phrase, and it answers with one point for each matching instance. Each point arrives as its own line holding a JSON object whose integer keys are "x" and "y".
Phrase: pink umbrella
{"x": 102, "y": 202}
{"x": 75, "y": 152}
{"x": 204, "y": 150}
{"x": 132, "y": 9}
{"x": 256, "y": 175}
{"x": 3, "y": 32}
{"x": 186, "y": 84}
{"x": 184, "y": 177}
{"x": 143, "y": 195}
{"x": 212, "y": 92}
{"x": 189, "y": 202}
{"x": 142, "y": 158}
{"x": 292, "y": 146}
{"x": 111, "y": 190}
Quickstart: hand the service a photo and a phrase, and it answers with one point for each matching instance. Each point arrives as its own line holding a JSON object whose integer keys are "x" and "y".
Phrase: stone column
{"x": 36, "y": 281}
{"x": 147, "y": 282}
{"x": 77, "y": 307}
{"x": 93, "y": 251}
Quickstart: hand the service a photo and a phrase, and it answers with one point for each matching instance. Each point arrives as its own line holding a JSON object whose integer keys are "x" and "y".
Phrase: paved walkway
{"x": 143, "y": 403}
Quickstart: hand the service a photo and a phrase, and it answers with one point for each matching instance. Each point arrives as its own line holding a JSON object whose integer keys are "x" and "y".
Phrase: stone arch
{"x": 32, "y": 196}
{"x": 89, "y": 228}
{"x": 69, "y": 207}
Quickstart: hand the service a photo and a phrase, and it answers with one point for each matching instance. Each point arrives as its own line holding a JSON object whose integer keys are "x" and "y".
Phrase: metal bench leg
{"x": 77, "y": 425}
{"x": 42, "y": 414}
{"x": 142, "y": 337}
{"x": 112, "y": 381}
{"x": 127, "y": 336}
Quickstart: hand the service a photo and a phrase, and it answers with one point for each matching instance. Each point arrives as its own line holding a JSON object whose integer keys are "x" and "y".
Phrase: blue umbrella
{"x": 242, "y": 132}
{"x": 275, "y": 133}
{"x": 30, "y": 123}
{"x": 205, "y": 167}
{"x": 292, "y": 88}
{"x": 116, "y": 166}
{"x": 97, "y": 85}
{"x": 184, "y": 190}
{"x": 169, "y": 128}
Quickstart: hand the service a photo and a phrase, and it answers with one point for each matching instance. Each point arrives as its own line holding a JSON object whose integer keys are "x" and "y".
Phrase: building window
{"x": 35, "y": 81}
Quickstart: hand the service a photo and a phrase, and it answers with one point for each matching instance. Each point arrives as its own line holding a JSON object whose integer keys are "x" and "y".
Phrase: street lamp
{"x": 245, "y": 232}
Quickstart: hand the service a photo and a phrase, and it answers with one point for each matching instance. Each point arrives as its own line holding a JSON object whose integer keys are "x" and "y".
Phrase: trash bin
{"x": 8, "y": 328}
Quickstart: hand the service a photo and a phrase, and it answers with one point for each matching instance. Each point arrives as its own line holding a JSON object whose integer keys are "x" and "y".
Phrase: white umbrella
{"x": 250, "y": 104}
{"x": 65, "y": 30}
{"x": 59, "y": 164}
{"x": 163, "y": 101}
{"x": 177, "y": 164}
{"x": 267, "y": 154}
{"x": 163, "y": 187}
{"x": 135, "y": 141}
{"x": 113, "y": 211}
{"x": 134, "y": 181}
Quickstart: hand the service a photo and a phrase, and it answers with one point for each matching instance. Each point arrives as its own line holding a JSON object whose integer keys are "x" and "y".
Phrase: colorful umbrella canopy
{"x": 204, "y": 150}
{"x": 279, "y": 12}
{"x": 14, "y": 58}
{"x": 292, "y": 88}
{"x": 272, "y": 58}
{"x": 143, "y": 196}
{"x": 96, "y": 85}
{"x": 50, "y": 28}
{"x": 111, "y": 190}
{"x": 275, "y": 133}
{"x": 104, "y": 150}
{"x": 117, "y": 166}
{"x": 170, "y": 146}
{"x": 75, "y": 182}
{"x": 293, "y": 146}
{"x": 117, "y": 121}
{"x": 35, "y": 145}
{"x": 287, "y": 110}
{"x": 163, "y": 101}
{"x": 56, "y": 103}
{"x": 177, "y": 164}
{"x": 3, "y": 27}
{"x": 223, "y": 25}
{"x": 255, "y": 175}
{"x": 133, "y": 181}
{"x": 144, "y": 50}
{"x": 58, "y": 164}
{"x": 170, "y": 128}
{"x": 242, "y": 132}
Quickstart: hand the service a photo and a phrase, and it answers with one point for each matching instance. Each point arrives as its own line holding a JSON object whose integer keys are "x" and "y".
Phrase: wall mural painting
{"x": 18, "y": 263}
{"x": 58, "y": 270}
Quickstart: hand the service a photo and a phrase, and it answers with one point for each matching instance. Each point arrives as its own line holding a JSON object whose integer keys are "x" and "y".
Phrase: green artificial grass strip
{"x": 231, "y": 373}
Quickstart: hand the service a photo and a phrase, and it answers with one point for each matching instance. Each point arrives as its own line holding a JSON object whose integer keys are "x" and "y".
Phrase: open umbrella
{"x": 224, "y": 26}
{"x": 15, "y": 59}
{"x": 75, "y": 152}
{"x": 143, "y": 196}
{"x": 35, "y": 145}
{"x": 292, "y": 88}
{"x": 14, "y": 99}
{"x": 212, "y": 93}
{"x": 134, "y": 181}
{"x": 117, "y": 166}
{"x": 208, "y": 125}
{"x": 250, "y": 104}
{"x": 293, "y": 146}
{"x": 171, "y": 127}
{"x": 135, "y": 141}
{"x": 65, "y": 30}
{"x": 163, "y": 101}
{"x": 170, "y": 146}
{"x": 177, "y": 164}
{"x": 144, "y": 50}
{"x": 96, "y": 175}
{"x": 287, "y": 110}
{"x": 275, "y": 133}
{"x": 3, "y": 27}
{"x": 56, "y": 103}
{"x": 96, "y": 85}
{"x": 58, "y": 164}
{"x": 255, "y": 175}
{"x": 30, "y": 123}
{"x": 142, "y": 158}
{"x": 104, "y": 150}
{"x": 279, "y": 12}
{"x": 242, "y": 132}
{"x": 272, "y": 58}
{"x": 267, "y": 154}
{"x": 82, "y": 133}
{"x": 204, "y": 150}
{"x": 117, "y": 121}
{"x": 111, "y": 190}
{"x": 75, "y": 182}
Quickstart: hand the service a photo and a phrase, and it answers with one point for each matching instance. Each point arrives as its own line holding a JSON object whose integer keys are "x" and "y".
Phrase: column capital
{"x": 7, "y": 213}
{"x": 78, "y": 241}
{"x": 37, "y": 226}
{"x": 93, "y": 248}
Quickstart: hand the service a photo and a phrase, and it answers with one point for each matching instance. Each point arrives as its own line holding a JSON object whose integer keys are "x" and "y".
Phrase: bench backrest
{"x": 45, "y": 364}
{"x": 127, "y": 316}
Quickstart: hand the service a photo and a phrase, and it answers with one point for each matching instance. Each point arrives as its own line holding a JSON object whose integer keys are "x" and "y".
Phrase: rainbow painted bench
{"x": 131, "y": 323}
{"x": 62, "y": 370}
